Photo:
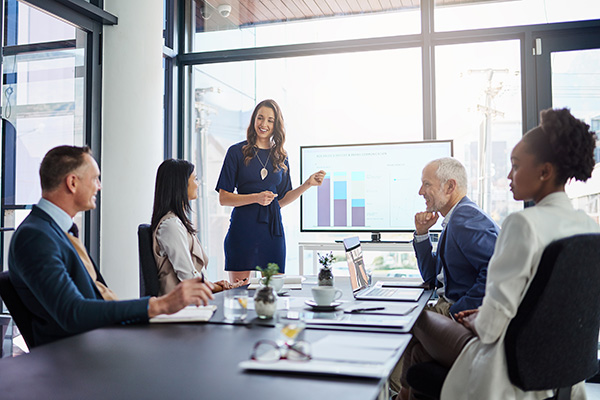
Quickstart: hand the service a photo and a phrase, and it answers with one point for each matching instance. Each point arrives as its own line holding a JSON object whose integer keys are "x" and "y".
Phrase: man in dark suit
{"x": 466, "y": 243}
{"x": 50, "y": 276}
{"x": 458, "y": 267}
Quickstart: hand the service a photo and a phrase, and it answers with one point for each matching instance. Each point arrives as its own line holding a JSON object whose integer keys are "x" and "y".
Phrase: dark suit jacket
{"x": 464, "y": 251}
{"x": 53, "y": 283}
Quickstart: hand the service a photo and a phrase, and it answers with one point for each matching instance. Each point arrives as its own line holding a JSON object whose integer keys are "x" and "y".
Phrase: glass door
{"x": 568, "y": 76}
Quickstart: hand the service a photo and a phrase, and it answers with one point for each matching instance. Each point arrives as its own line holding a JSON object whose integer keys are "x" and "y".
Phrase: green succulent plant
{"x": 267, "y": 273}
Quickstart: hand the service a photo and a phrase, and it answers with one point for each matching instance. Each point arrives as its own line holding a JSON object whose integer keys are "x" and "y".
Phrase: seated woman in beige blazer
{"x": 177, "y": 250}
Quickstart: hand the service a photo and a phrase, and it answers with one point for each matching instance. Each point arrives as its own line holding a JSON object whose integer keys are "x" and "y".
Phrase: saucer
{"x": 316, "y": 307}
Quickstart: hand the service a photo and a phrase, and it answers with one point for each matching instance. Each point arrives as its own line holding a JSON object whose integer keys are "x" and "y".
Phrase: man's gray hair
{"x": 451, "y": 168}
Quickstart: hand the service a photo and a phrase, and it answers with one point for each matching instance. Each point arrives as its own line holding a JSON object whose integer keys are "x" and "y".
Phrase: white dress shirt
{"x": 62, "y": 219}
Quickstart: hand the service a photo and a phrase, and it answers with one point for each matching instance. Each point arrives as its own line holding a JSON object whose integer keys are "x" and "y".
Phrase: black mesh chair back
{"x": 18, "y": 311}
{"x": 552, "y": 342}
{"x": 148, "y": 270}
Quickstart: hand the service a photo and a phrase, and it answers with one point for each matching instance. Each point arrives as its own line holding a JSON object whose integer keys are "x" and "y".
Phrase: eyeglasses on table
{"x": 271, "y": 351}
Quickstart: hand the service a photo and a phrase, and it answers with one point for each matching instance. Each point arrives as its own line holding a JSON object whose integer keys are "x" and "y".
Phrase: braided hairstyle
{"x": 566, "y": 142}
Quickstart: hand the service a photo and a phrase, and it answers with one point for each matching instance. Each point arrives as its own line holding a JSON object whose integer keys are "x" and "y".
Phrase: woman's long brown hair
{"x": 278, "y": 154}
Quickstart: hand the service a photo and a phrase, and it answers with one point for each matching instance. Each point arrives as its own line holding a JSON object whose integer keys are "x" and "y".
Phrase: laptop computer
{"x": 359, "y": 279}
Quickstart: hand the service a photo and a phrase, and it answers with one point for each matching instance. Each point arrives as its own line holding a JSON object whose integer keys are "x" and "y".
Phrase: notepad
{"x": 363, "y": 355}
{"x": 188, "y": 314}
{"x": 339, "y": 318}
{"x": 289, "y": 282}
{"x": 388, "y": 308}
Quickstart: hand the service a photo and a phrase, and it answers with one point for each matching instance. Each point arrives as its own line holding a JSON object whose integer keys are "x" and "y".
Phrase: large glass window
{"x": 324, "y": 99}
{"x": 451, "y": 15}
{"x": 24, "y": 25}
{"x": 576, "y": 85}
{"x": 371, "y": 96}
{"x": 244, "y": 23}
{"x": 478, "y": 105}
{"x": 43, "y": 98}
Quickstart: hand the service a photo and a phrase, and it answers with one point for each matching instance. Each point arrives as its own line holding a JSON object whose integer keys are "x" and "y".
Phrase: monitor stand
{"x": 376, "y": 238}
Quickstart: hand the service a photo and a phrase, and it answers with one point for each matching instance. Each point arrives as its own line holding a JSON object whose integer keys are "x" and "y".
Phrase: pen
{"x": 359, "y": 310}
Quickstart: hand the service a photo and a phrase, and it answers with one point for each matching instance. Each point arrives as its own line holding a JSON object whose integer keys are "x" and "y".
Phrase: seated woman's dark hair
{"x": 171, "y": 192}
{"x": 564, "y": 141}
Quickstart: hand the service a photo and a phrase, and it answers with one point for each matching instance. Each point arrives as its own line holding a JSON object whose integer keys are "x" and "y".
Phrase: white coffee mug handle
{"x": 338, "y": 294}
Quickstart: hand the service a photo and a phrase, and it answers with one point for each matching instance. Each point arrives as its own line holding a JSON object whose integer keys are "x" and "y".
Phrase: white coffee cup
{"x": 276, "y": 282}
{"x": 325, "y": 295}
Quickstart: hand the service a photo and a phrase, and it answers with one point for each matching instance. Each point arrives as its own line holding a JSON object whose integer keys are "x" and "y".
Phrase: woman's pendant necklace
{"x": 263, "y": 171}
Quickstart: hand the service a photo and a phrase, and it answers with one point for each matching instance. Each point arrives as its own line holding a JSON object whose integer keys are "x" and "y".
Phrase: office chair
{"x": 20, "y": 313}
{"x": 148, "y": 270}
{"x": 552, "y": 342}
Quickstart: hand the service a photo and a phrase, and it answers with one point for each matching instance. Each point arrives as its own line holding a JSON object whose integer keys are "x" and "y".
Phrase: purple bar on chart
{"x": 358, "y": 216}
{"x": 339, "y": 212}
{"x": 324, "y": 203}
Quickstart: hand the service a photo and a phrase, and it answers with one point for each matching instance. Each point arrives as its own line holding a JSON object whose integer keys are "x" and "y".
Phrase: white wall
{"x": 132, "y": 135}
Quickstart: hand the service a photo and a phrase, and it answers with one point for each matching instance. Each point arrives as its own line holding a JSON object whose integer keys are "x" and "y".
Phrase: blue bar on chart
{"x": 358, "y": 198}
{"x": 324, "y": 202}
{"x": 340, "y": 199}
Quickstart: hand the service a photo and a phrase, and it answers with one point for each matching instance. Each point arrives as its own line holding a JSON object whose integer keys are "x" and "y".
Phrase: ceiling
{"x": 252, "y": 12}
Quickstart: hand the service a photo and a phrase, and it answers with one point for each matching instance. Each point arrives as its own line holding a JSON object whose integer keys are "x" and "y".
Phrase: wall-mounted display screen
{"x": 368, "y": 187}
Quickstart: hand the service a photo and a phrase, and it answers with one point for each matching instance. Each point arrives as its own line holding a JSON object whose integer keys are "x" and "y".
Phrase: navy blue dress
{"x": 255, "y": 236}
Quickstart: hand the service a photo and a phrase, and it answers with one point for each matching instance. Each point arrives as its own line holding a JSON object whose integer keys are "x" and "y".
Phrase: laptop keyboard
{"x": 381, "y": 292}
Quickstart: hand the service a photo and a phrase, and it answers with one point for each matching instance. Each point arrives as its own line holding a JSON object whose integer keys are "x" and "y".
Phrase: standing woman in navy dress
{"x": 258, "y": 168}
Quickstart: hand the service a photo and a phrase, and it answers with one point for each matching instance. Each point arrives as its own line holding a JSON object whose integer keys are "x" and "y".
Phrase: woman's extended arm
{"x": 315, "y": 179}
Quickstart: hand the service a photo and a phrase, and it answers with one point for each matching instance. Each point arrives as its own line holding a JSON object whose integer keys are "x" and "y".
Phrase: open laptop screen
{"x": 356, "y": 265}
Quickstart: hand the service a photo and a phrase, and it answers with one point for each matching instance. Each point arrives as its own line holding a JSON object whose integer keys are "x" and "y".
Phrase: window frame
{"x": 427, "y": 41}
{"x": 91, "y": 18}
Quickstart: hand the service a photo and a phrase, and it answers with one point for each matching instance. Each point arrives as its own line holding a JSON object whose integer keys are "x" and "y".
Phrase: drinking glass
{"x": 235, "y": 305}
{"x": 290, "y": 325}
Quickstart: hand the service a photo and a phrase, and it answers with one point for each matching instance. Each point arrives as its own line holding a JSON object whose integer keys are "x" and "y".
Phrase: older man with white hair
{"x": 466, "y": 243}
{"x": 458, "y": 267}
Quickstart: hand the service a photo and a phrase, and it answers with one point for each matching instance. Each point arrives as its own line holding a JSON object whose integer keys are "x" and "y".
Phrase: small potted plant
{"x": 325, "y": 274}
{"x": 265, "y": 299}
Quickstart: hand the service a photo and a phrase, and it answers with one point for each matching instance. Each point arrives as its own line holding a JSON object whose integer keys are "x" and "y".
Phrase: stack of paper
{"x": 188, "y": 314}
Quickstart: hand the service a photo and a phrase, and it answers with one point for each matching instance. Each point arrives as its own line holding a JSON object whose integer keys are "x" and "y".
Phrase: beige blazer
{"x": 167, "y": 276}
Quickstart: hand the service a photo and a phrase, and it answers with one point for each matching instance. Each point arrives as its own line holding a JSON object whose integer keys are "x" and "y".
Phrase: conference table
{"x": 177, "y": 361}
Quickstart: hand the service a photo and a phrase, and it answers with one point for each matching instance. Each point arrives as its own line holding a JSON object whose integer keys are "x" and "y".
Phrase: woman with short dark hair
{"x": 547, "y": 157}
